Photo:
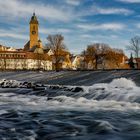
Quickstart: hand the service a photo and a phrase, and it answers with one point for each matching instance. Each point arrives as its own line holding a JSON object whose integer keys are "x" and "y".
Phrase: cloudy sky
{"x": 81, "y": 22}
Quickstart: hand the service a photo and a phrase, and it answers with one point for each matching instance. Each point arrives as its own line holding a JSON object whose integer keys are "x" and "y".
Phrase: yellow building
{"x": 34, "y": 41}
{"x": 33, "y": 56}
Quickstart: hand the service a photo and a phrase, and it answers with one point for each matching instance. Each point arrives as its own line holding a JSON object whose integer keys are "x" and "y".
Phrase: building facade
{"x": 24, "y": 61}
{"x": 33, "y": 56}
{"x": 34, "y": 41}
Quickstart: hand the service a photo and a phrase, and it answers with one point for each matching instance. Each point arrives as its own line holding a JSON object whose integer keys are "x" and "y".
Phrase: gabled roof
{"x": 47, "y": 50}
{"x": 27, "y": 46}
{"x": 38, "y": 50}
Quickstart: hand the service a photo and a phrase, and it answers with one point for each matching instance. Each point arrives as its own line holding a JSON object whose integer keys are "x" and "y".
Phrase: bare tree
{"x": 115, "y": 57}
{"x": 134, "y": 46}
{"x": 96, "y": 52}
{"x": 55, "y": 42}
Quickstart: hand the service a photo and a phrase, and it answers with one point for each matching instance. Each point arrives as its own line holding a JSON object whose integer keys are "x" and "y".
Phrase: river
{"x": 102, "y": 111}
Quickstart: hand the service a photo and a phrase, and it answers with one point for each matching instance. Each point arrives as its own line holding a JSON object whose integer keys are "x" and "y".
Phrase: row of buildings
{"x": 34, "y": 56}
{"x": 43, "y": 59}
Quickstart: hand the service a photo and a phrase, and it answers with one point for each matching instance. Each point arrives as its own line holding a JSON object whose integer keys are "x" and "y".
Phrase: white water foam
{"x": 120, "y": 89}
{"x": 120, "y": 94}
{"x": 123, "y": 83}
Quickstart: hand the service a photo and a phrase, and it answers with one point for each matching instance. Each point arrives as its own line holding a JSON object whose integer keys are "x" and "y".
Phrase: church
{"x": 33, "y": 56}
{"x": 34, "y": 41}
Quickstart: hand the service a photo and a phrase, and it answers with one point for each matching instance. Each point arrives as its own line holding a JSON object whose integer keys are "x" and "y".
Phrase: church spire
{"x": 34, "y": 19}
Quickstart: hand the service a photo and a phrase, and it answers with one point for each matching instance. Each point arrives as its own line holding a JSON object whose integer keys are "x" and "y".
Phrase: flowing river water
{"x": 104, "y": 111}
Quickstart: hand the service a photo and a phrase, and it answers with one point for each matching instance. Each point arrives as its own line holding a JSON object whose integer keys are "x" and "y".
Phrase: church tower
{"x": 33, "y": 31}
{"x": 34, "y": 41}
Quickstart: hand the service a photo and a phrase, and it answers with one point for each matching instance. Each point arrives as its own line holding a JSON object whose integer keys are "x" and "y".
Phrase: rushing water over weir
{"x": 105, "y": 111}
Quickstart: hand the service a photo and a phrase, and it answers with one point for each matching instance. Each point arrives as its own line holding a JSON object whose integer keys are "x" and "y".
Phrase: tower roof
{"x": 34, "y": 19}
{"x": 39, "y": 40}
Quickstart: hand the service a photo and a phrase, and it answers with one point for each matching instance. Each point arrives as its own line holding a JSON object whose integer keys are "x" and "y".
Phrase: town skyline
{"x": 80, "y": 22}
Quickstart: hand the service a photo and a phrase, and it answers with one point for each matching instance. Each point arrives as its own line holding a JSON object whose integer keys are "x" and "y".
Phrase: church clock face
{"x": 33, "y": 32}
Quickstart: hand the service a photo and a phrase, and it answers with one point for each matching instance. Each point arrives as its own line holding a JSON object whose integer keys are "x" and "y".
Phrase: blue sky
{"x": 81, "y": 22}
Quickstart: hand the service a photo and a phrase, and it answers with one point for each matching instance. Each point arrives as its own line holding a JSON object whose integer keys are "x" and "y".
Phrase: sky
{"x": 81, "y": 22}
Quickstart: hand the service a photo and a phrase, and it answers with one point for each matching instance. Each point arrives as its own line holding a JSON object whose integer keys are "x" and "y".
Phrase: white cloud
{"x": 13, "y": 34}
{"x": 138, "y": 25}
{"x": 87, "y": 36}
{"x": 97, "y": 10}
{"x": 105, "y": 26}
{"x": 54, "y": 30}
{"x": 106, "y": 11}
{"x": 73, "y": 2}
{"x": 129, "y": 1}
{"x": 16, "y": 8}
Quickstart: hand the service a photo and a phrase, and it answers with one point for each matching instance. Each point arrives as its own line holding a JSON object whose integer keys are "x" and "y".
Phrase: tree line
{"x": 103, "y": 54}
{"x": 97, "y": 53}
